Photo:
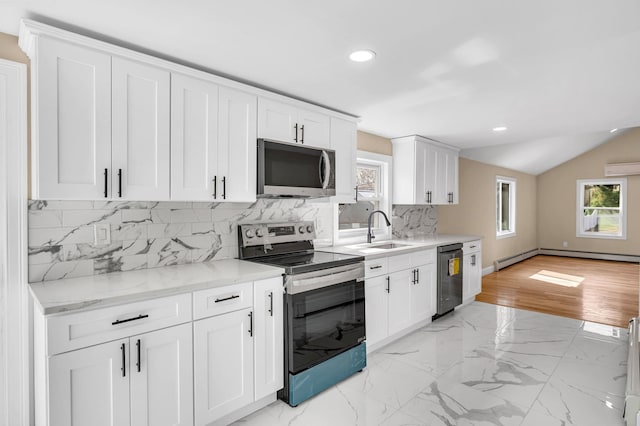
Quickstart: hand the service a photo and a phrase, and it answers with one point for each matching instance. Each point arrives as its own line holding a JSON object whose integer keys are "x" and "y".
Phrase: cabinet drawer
{"x": 424, "y": 257}
{"x": 472, "y": 247}
{"x": 82, "y": 329}
{"x": 373, "y": 268}
{"x": 400, "y": 262}
{"x": 220, "y": 300}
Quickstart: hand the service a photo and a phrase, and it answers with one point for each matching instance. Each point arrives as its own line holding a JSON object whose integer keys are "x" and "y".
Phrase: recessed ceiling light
{"x": 499, "y": 129}
{"x": 613, "y": 130}
{"x": 362, "y": 55}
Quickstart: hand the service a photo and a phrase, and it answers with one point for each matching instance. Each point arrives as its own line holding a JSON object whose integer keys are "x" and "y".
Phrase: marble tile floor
{"x": 481, "y": 365}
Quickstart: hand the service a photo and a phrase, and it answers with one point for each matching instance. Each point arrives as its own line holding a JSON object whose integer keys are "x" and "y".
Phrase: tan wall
{"x": 10, "y": 50}
{"x": 373, "y": 143}
{"x": 557, "y": 198}
{"x": 476, "y": 213}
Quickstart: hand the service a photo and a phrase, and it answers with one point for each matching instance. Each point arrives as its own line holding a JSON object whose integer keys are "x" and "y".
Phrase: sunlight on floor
{"x": 557, "y": 278}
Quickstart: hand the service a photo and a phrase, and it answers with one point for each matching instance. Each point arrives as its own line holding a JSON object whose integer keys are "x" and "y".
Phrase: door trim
{"x": 16, "y": 359}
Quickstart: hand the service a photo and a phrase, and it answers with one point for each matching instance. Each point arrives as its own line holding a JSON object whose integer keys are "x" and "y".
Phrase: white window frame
{"x": 512, "y": 207}
{"x": 354, "y": 236}
{"x": 580, "y": 206}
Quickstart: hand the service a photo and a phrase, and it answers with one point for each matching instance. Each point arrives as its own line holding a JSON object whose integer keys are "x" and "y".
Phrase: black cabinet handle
{"x": 415, "y": 280}
{"x": 302, "y": 130}
{"x": 356, "y": 188}
{"x": 296, "y": 127}
{"x": 138, "y": 349}
{"x": 105, "y": 183}
{"x": 224, "y": 187}
{"x": 120, "y": 183}
{"x": 375, "y": 267}
{"x": 417, "y": 276}
{"x": 271, "y": 303}
{"x": 139, "y": 317}
{"x": 251, "y": 324}
{"x": 124, "y": 360}
{"x": 224, "y": 299}
{"x": 215, "y": 187}
{"x": 388, "y": 285}
{"x": 473, "y": 260}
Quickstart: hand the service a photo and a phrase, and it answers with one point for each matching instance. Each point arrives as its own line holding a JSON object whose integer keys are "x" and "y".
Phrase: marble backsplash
{"x": 412, "y": 221}
{"x": 150, "y": 234}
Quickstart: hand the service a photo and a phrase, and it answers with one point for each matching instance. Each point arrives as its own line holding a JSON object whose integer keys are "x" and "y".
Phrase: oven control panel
{"x": 255, "y": 234}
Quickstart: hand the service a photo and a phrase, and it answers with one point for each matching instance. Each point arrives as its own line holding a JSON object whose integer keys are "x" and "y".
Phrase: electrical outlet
{"x": 101, "y": 234}
{"x": 565, "y": 244}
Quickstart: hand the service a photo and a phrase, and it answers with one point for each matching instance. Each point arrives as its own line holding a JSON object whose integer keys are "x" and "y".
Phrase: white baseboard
{"x": 488, "y": 270}
{"x": 591, "y": 255}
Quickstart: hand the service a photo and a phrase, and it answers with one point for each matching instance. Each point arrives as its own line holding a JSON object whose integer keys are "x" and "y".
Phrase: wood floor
{"x": 608, "y": 293}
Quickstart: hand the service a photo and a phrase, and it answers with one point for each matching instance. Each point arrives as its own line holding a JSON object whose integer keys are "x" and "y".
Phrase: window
{"x": 601, "y": 211}
{"x": 373, "y": 193}
{"x": 505, "y": 207}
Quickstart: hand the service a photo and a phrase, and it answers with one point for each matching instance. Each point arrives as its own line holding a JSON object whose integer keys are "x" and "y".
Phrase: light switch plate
{"x": 101, "y": 234}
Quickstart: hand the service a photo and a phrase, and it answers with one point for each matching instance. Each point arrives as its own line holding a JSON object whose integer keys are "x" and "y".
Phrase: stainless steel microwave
{"x": 295, "y": 170}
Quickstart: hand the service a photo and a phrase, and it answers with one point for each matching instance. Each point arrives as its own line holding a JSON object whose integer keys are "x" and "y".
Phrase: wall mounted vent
{"x": 622, "y": 169}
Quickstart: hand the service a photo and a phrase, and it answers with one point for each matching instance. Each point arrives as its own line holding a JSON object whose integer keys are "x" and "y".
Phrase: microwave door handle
{"x": 327, "y": 169}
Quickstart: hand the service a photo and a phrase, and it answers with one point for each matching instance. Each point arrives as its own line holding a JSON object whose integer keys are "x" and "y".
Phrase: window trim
{"x": 512, "y": 207}
{"x": 622, "y": 181}
{"x": 353, "y": 236}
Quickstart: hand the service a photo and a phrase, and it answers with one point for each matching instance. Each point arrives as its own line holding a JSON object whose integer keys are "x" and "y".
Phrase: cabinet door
{"x": 72, "y": 144}
{"x": 344, "y": 143}
{"x": 450, "y": 161}
{"x": 89, "y": 386}
{"x": 421, "y": 304}
{"x": 237, "y": 155}
{"x": 430, "y": 161}
{"x": 376, "y": 309}
{"x": 399, "y": 300}
{"x": 194, "y": 138}
{"x": 223, "y": 365}
{"x": 269, "y": 342}
{"x": 161, "y": 368}
{"x": 467, "y": 277}
{"x": 314, "y": 129}
{"x": 277, "y": 121}
{"x": 140, "y": 131}
{"x": 475, "y": 281}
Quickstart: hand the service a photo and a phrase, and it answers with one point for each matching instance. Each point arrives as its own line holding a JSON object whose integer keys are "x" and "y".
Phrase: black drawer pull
{"x": 129, "y": 319}
{"x": 124, "y": 360}
{"x": 235, "y": 296}
{"x": 375, "y": 267}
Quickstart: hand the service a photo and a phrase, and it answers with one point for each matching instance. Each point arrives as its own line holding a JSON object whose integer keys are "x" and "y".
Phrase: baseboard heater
{"x": 632, "y": 394}
{"x": 508, "y": 261}
{"x": 590, "y": 255}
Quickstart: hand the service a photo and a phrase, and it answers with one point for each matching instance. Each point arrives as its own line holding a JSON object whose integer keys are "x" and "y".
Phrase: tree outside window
{"x": 601, "y": 208}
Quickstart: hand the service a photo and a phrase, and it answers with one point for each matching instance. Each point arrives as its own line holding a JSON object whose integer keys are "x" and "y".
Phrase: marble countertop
{"x": 122, "y": 287}
{"x": 406, "y": 245}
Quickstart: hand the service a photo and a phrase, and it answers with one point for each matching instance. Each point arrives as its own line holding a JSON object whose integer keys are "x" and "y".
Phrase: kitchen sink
{"x": 389, "y": 246}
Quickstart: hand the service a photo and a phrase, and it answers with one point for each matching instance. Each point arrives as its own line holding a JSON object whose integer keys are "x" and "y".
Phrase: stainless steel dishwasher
{"x": 449, "y": 278}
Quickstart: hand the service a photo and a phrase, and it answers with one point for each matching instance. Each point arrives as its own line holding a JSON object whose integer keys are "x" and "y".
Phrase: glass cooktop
{"x": 296, "y": 263}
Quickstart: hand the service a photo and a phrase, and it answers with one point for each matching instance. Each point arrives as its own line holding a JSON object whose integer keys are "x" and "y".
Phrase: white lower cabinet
{"x": 223, "y": 357}
{"x": 142, "y": 380}
{"x": 400, "y": 297}
{"x": 238, "y": 355}
{"x": 472, "y": 270}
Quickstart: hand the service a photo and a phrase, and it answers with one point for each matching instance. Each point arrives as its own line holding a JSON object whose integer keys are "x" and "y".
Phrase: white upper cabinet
{"x": 237, "y": 155}
{"x": 424, "y": 172}
{"x": 140, "y": 131}
{"x": 72, "y": 122}
{"x": 344, "y": 143}
{"x": 287, "y": 123}
{"x": 194, "y": 138}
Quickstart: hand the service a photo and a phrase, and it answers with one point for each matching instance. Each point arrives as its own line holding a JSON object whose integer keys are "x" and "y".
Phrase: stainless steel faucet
{"x": 369, "y": 235}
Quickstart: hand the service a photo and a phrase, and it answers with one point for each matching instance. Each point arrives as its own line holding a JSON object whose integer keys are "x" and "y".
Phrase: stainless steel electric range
{"x": 324, "y": 318}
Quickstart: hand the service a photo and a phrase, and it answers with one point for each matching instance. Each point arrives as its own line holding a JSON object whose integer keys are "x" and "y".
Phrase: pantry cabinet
{"x": 398, "y": 295}
{"x": 213, "y": 156}
{"x": 288, "y": 123}
{"x": 424, "y": 172}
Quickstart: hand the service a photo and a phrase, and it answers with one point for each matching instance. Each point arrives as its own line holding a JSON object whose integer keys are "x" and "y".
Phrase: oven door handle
{"x": 311, "y": 281}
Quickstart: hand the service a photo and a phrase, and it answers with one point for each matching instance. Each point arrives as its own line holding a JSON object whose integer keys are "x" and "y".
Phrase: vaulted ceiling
{"x": 558, "y": 74}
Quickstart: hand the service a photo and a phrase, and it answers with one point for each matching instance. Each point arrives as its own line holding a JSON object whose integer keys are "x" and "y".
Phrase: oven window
{"x": 291, "y": 166}
{"x": 324, "y": 323}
